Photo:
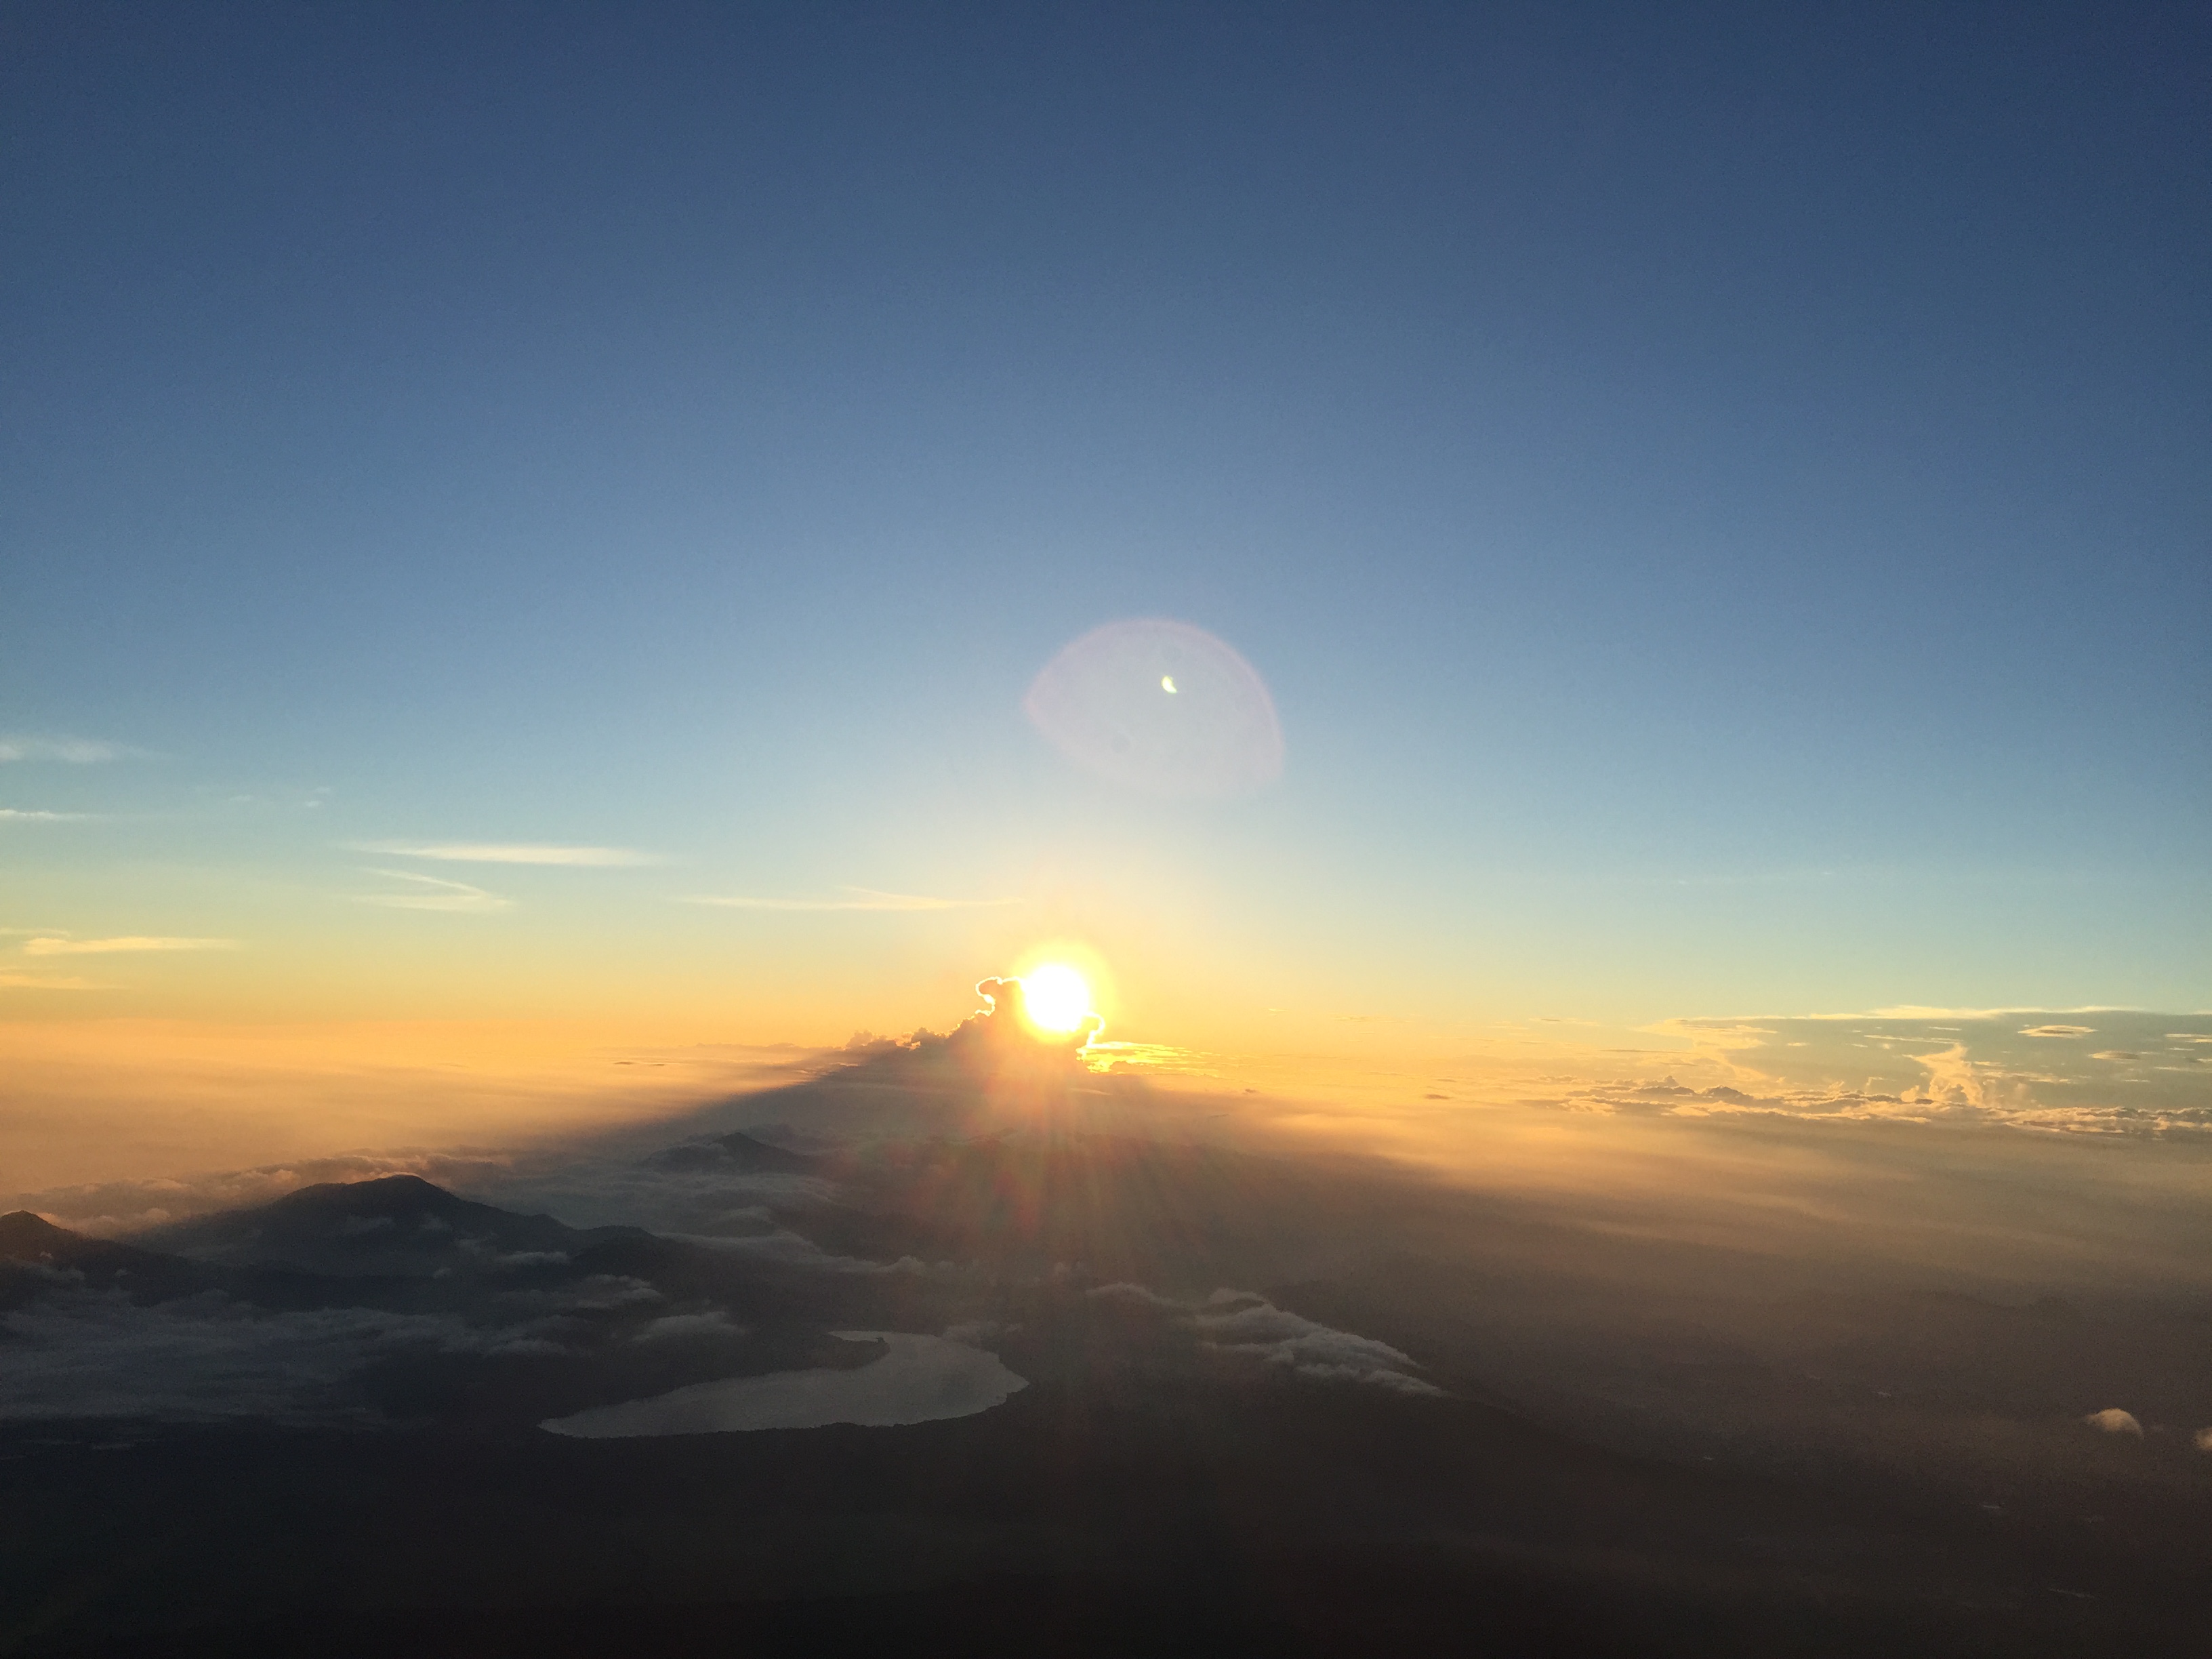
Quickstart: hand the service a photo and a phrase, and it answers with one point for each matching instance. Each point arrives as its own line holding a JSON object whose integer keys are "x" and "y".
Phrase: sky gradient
{"x": 1717, "y": 497}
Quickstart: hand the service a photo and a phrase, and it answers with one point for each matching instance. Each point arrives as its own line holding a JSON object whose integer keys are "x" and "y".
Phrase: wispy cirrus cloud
{"x": 433, "y": 893}
{"x": 74, "y": 752}
{"x": 473, "y": 851}
{"x": 22, "y": 815}
{"x": 44, "y": 946}
{"x": 858, "y": 898}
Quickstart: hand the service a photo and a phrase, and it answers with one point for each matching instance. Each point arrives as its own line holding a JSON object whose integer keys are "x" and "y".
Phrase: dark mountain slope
{"x": 1227, "y": 1519}
{"x": 36, "y": 1256}
{"x": 736, "y": 1153}
{"x": 396, "y": 1226}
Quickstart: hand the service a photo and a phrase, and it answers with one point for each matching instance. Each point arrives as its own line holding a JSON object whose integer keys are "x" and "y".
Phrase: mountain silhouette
{"x": 35, "y": 1255}
{"x": 737, "y": 1153}
{"x": 396, "y": 1225}
{"x": 26, "y": 1237}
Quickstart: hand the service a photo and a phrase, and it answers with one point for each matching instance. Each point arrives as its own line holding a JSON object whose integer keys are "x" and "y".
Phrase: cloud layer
{"x": 1984, "y": 1065}
{"x": 1245, "y": 1322}
{"x": 204, "y": 1358}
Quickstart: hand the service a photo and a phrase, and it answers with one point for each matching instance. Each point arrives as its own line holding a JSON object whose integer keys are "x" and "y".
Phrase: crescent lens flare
{"x": 1054, "y": 998}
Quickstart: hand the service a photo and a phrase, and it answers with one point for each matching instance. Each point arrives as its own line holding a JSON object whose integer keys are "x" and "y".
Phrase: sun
{"x": 1055, "y": 999}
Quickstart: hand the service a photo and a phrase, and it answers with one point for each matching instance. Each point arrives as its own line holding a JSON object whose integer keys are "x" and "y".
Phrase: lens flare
{"x": 1160, "y": 706}
{"x": 1055, "y": 999}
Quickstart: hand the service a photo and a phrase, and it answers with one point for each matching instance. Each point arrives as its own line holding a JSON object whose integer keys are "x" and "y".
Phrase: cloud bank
{"x": 1978, "y": 1066}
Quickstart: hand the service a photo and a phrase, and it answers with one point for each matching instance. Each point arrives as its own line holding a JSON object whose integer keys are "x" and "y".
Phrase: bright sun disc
{"x": 1055, "y": 999}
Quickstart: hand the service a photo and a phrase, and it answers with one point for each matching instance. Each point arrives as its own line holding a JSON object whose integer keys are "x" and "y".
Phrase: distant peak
{"x": 377, "y": 1196}
{"x": 26, "y": 1236}
{"x": 738, "y": 1153}
{"x": 28, "y": 1226}
{"x": 751, "y": 1154}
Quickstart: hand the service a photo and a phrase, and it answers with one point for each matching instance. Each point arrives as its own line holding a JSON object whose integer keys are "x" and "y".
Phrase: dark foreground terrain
{"x": 1270, "y": 1406}
{"x": 1286, "y": 1520}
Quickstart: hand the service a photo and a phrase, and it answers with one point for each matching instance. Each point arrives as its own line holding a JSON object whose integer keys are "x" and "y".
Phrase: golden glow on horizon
{"x": 1055, "y": 997}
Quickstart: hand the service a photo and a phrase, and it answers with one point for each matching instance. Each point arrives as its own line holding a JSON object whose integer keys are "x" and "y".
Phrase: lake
{"x": 920, "y": 1379}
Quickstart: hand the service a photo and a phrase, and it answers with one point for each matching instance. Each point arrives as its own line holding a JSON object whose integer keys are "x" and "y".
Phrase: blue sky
{"x": 1718, "y": 497}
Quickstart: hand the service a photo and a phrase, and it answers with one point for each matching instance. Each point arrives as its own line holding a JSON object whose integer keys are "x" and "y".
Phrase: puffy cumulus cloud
{"x": 1957, "y": 1094}
{"x": 207, "y": 1357}
{"x": 1003, "y": 1021}
{"x": 996, "y": 1047}
{"x": 1988, "y": 1066}
{"x": 1667, "y": 1098}
{"x": 1240, "y": 1321}
{"x": 1245, "y": 1322}
{"x": 2113, "y": 1420}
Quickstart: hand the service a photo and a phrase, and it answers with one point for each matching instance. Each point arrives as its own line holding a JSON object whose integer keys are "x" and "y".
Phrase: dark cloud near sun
{"x": 1007, "y": 1021}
